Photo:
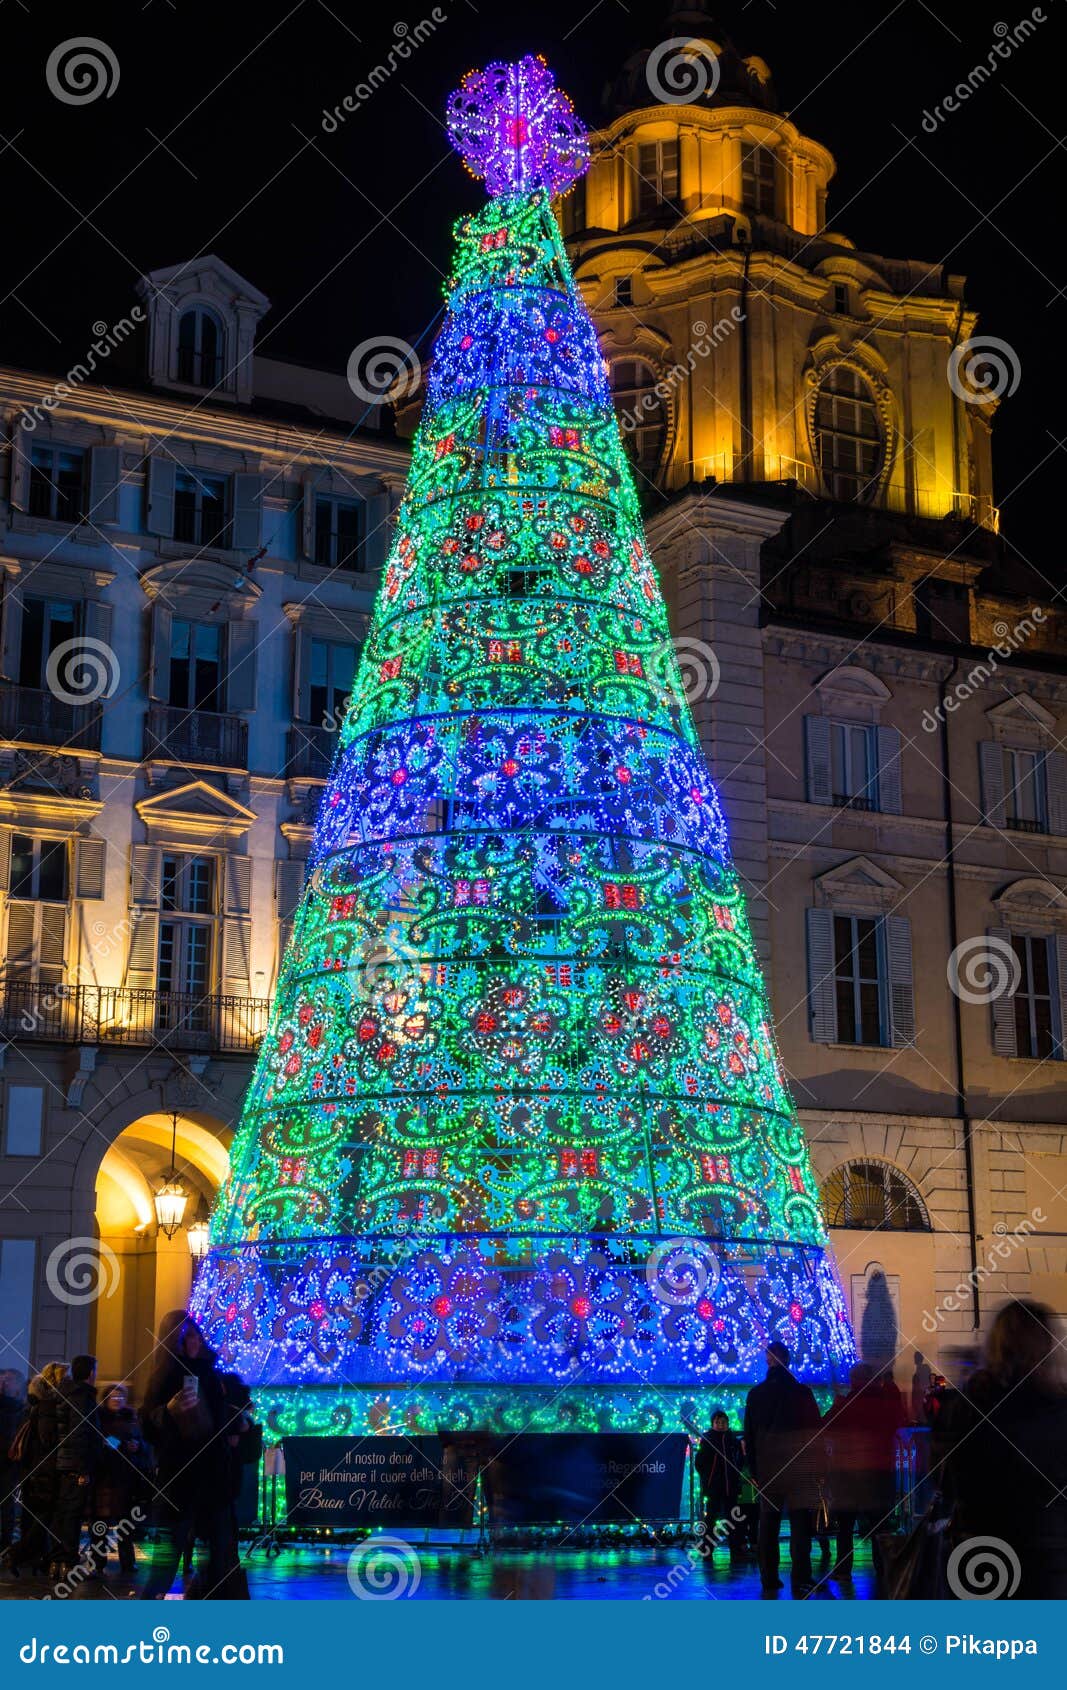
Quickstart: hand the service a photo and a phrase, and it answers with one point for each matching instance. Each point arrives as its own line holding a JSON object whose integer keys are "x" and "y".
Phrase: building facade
{"x": 189, "y": 548}
{"x": 882, "y": 692}
{"x": 880, "y": 687}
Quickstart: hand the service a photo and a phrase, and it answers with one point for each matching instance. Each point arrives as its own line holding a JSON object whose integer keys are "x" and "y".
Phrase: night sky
{"x": 212, "y": 141}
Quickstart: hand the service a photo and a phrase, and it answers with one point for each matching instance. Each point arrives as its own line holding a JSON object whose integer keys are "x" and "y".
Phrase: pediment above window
{"x": 191, "y": 814}
{"x": 1021, "y": 720}
{"x": 852, "y": 692}
{"x": 857, "y": 885}
{"x": 1032, "y": 902}
{"x": 198, "y": 588}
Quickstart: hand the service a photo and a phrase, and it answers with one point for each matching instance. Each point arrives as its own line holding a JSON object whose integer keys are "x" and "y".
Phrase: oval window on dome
{"x": 849, "y": 442}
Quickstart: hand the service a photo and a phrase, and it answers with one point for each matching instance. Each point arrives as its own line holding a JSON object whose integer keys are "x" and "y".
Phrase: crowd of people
{"x": 74, "y": 1458}
{"x": 997, "y": 1467}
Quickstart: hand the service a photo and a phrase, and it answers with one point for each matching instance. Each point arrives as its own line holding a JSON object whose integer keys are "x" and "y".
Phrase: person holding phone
{"x": 190, "y": 1421}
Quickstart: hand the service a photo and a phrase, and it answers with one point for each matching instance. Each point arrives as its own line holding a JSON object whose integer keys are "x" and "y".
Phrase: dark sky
{"x": 212, "y": 141}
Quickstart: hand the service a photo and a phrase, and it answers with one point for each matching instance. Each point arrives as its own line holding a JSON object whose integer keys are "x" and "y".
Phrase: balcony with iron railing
{"x": 195, "y": 737}
{"x": 35, "y": 716}
{"x": 124, "y": 1015}
{"x": 311, "y": 752}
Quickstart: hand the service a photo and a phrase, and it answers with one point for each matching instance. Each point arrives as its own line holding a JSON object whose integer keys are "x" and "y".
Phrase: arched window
{"x": 875, "y": 1197}
{"x": 847, "y": 434}
{"x": 642, "y": 415}
{"x": 201, "y": 343}
{"x": 759, "y": 180}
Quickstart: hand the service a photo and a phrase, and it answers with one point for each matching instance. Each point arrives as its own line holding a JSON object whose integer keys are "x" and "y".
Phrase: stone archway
{"x": 149, "y": 1273}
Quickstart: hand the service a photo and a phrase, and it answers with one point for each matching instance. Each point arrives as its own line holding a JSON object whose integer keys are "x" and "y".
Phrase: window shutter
{"x": 238, "y": 885}
{"x": 96, "y": 621}
{"x": 159, "y": 510}
{"x": 11, "y": 634}
{"x": 89, "y": 859}
{"x": 901, "y": 989}
{"x": 1056, "y": 791}
{"x": 247, "y": 512}
{"x": 159, "y": 638}
{"x": 145, "y": 874}
{"x": 105, "y": 470}
{"x": 20, "y": 936}
{"x": 1003, "y": 1007}
{"x": 301, "y": 674}
{"x": 377, "y": 532}
{"x": 52, "y": 950}
{"x": 241, "y": 665}
{"x": 288, "y": 885}
{"x": 307, "y": 515}
{"x": 144, "y": 941}
{"x": 820, "y": 774}
{"x": 1058, "y": 958}
{"x": 236, "y": 932}
{"x": 890, "y": 797}
{"x": 5, "y": 858}
{"x": 991, "y": 763}
{"x": 822, "y": 991}
{"x": 19, "y": 487}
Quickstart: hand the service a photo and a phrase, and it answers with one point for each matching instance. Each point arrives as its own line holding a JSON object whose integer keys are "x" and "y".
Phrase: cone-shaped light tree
{"x": 518, "y": 1151}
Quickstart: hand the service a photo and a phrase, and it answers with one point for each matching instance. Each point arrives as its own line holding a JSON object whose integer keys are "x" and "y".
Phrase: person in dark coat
{"x": 12, "y": 1409}
{"x": 1006, "y": 1465}
{"x": 190, "y": 1423}
{"x": 859, "y": 1437}
{"x": 78, "y": 1451}
{"x": 781, "y": 1423}
{"x": 39, "y": 1483}
{"x": 125, "y": 1461}
{"x": 719, "y": 1459}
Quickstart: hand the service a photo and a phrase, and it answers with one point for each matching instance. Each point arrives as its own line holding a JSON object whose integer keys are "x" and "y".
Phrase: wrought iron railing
{"x": 175, "y": 735}
{"x": 128, "y": 1015}
{"x": 34, "y": 716}
{"x": 311, "y": 751}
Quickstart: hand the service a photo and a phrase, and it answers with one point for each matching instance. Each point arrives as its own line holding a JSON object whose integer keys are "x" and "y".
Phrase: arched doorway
{"x": 156, "y": 1272}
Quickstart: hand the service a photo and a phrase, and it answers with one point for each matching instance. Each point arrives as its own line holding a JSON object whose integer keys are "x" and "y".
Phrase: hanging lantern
{"x": 172, "y": 1198}
{"x": 199, "y": 1236}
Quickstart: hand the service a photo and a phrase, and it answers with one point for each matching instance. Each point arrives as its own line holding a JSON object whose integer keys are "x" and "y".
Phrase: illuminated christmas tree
{"x": 517, "y": 1151}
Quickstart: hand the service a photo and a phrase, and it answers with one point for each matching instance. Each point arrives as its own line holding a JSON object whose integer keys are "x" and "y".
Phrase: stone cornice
{"x": 883, "y": 657}
{"x": 129, "y": 415}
